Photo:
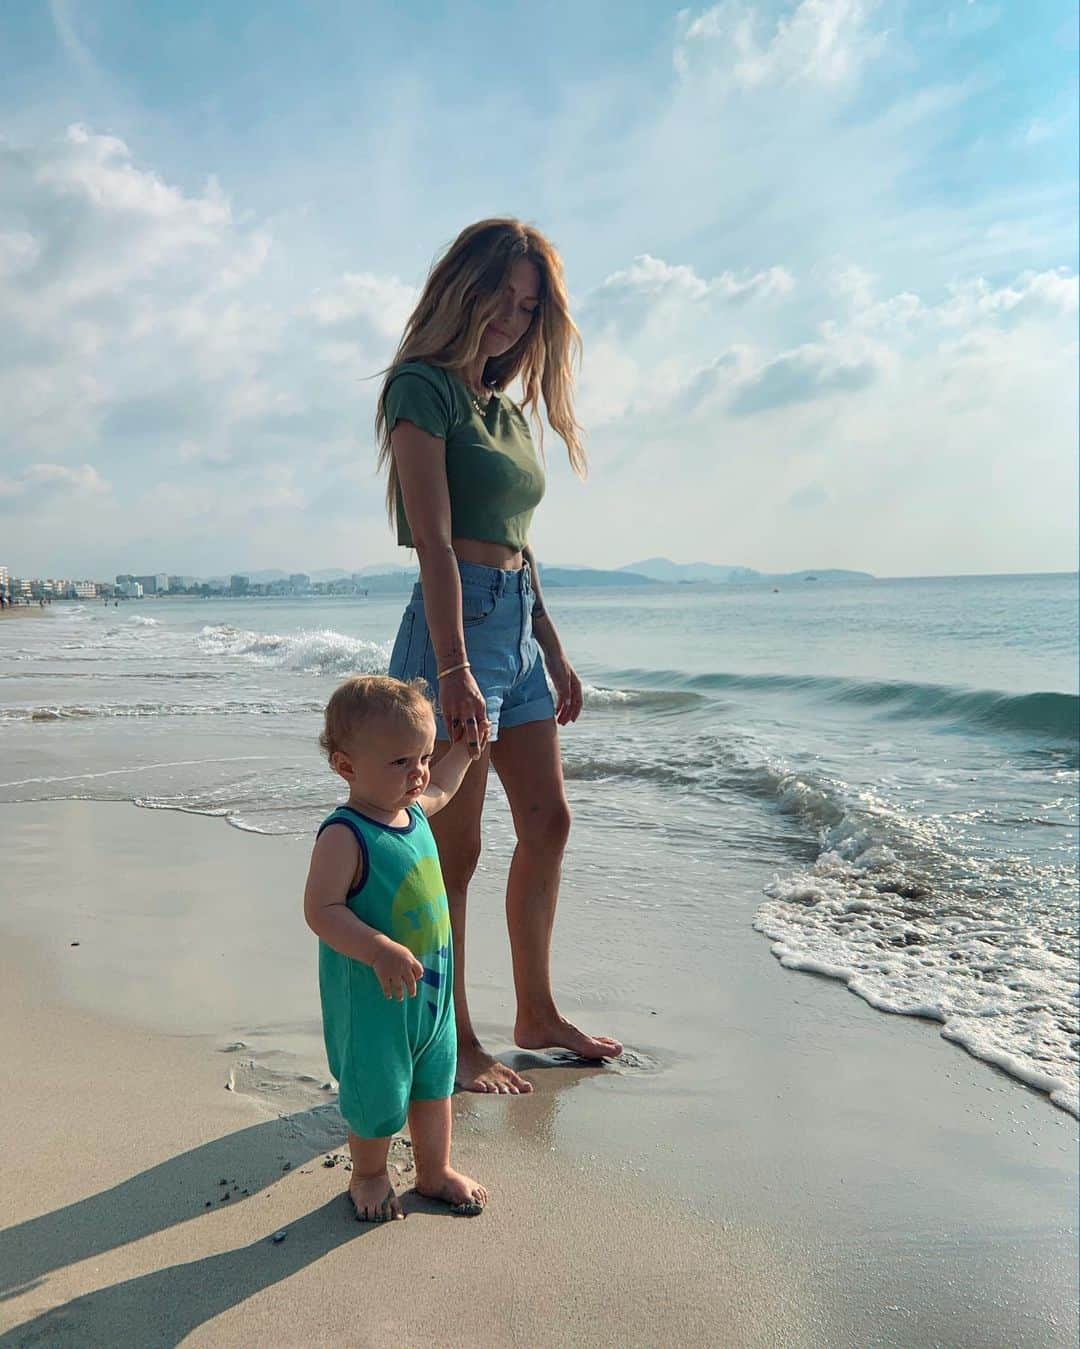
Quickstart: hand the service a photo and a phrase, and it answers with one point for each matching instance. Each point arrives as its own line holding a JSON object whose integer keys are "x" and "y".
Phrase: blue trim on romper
{"x": 357, "y": 833}
{"x": 340, "y": 816}
{"x": 389, "y": 828}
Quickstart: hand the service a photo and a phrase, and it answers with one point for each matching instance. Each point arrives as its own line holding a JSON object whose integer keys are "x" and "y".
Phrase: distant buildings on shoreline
{"x": 23, "y": 589}
{"x": 128, "y": 586}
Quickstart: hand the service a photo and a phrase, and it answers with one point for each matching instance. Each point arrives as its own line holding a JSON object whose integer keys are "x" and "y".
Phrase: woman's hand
{"x": 567, "y": 686}
{"x": 464, "y": 711}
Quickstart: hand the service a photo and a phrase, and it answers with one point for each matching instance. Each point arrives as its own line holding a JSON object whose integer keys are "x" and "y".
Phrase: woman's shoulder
{"x": 430, "y": 374}
{"x": 423, "y": 393}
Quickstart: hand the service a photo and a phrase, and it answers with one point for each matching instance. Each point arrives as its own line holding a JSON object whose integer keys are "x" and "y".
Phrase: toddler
{"x": 376, "y": 900}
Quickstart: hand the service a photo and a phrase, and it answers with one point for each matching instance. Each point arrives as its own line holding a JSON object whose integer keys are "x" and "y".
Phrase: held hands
{"x": 397, "y": 970}
{"x": 464, "y": 711}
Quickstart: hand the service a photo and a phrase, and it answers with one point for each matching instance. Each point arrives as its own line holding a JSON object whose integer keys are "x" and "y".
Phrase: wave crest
{"x": 1050, "y": 714}
{"x": 319, "y": 651}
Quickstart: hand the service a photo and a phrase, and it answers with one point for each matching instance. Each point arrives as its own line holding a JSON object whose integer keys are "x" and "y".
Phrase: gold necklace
{"x": 474, "y": 398}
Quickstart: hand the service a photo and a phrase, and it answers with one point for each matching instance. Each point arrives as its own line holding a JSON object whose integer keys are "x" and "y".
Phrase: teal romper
{"x": 385, "y": 1053}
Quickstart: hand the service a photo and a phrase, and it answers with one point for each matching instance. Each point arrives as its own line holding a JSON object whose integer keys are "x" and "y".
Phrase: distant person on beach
{"x": 376, "y": 900}
{"x": 463, "y": 481}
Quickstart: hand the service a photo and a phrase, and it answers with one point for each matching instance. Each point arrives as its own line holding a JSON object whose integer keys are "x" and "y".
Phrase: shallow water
{"x": 899, "y": 756}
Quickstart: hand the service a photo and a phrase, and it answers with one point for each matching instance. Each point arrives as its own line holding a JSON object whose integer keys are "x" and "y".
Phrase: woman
{"x": 463, "y": 480}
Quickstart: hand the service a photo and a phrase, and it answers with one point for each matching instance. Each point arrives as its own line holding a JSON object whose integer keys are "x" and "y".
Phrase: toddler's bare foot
{"x": 373, "y": 1198}
{"x": 556, "y": 1032}
{"x": 478, "y": 1071}
{"x": 465, "y": 1196}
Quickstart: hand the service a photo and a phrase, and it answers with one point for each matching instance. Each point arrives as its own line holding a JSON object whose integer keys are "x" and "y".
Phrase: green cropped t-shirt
{"x": 493, "y": 472}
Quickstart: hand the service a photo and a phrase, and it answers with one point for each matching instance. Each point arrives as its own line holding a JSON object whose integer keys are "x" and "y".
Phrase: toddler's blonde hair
{"x": 372, "y": 698}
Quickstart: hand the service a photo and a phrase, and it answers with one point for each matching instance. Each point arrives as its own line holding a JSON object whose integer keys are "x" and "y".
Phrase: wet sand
{"x": 774, "y": 1163}
{"x": 119, "y": 1231}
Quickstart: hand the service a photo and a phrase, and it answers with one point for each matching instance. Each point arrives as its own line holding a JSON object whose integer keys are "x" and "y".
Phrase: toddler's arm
{"x": 446, "y": 777}
{"x": 334, "y": 863}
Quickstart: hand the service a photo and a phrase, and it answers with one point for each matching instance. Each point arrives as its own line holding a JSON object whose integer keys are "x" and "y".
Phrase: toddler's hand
{"x": 397, "y": 970}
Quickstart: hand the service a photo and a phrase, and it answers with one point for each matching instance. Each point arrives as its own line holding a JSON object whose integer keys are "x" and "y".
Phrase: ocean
{"x": 888, "y": 768}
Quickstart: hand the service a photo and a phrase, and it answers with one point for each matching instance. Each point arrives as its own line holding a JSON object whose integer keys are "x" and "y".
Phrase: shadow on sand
{"x": 175, "y": 1191}
{"x": 160, "y": 1308}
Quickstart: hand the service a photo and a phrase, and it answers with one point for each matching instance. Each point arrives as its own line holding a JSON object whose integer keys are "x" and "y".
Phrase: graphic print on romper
{"x": 420, "y": 920}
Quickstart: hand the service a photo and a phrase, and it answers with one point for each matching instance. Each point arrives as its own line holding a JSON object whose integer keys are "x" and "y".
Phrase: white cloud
{"x": 902, "y": 407}
{"x": 946, "y": 423}
{"x": 383, "y": 302}
{"x": 659, "y": 312}
{"x": 824, "y": 42}
{"x": 1051, "y": 293}
{"x": 38, "y": 483}
{"x": 152, "y": 329}
{"x": 19, "y": 251}
{"x": 652, "y": 276}
{"x": 807, "y": 373}
{"x": 99, "y": 169}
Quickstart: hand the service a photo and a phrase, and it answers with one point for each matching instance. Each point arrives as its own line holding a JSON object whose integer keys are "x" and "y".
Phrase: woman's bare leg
{"x": 457, "y": 833}
{"x": 529, "y": 764}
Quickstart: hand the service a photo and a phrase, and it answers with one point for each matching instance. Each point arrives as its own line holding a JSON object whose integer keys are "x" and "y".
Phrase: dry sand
{"x": 117, "y": 1230}
{"x": 824, "y": 1176}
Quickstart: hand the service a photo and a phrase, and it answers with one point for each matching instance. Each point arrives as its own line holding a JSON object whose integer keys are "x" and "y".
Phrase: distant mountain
{"x": 391, "y": 582}
{"x": 393, "y": 578}
{"x": 679, "y": 573}
{"x": 589, "y": 576}
{"x": 378, "y": 582}
{"x": 822, "y": 574}
{"x": 663, "y": 569}
{"x": 326, "y": 574}
{"x": 384, "y": 569}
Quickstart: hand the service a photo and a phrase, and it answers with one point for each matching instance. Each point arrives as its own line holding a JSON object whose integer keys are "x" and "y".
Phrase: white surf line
{"x": 145, "y": 768}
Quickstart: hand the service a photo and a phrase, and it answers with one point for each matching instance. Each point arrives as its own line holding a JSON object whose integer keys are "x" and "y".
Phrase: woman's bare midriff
{"x": 487, "y": 554}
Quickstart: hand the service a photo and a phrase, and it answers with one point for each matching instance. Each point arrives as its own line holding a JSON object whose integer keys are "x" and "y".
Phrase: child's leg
{"x": 370, "y": 1190}
{"x": 429, "y": 1128}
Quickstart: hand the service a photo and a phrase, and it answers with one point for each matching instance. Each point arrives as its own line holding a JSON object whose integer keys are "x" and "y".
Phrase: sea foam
{"x": 321, "y": 651}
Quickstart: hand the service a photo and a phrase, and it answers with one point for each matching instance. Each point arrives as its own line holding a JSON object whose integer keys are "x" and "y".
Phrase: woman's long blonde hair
{"x": 460, "y": 299}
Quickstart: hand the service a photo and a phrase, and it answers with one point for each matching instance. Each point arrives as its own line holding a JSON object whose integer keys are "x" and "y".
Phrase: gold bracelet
{"x": 453, "y": 669}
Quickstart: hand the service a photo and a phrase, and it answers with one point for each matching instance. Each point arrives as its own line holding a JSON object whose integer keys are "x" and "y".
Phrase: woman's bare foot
{"x": 478, "y": 1071}
{"x": 373, "y": 1198}
{"x": 555, "y": 1032}
{"x": 465, "y": 1196}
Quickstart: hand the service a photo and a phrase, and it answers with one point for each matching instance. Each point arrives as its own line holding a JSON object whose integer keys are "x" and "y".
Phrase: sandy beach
{"x": 824, "y": 1175}
{"x": 119, "y": 1230}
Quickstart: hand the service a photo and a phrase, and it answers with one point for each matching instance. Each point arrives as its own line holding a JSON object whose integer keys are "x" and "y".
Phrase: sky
{"x": 823, "y": 255}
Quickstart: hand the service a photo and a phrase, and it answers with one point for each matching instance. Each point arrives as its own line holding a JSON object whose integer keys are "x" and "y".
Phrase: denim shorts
{"x": 496, "y": 611}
